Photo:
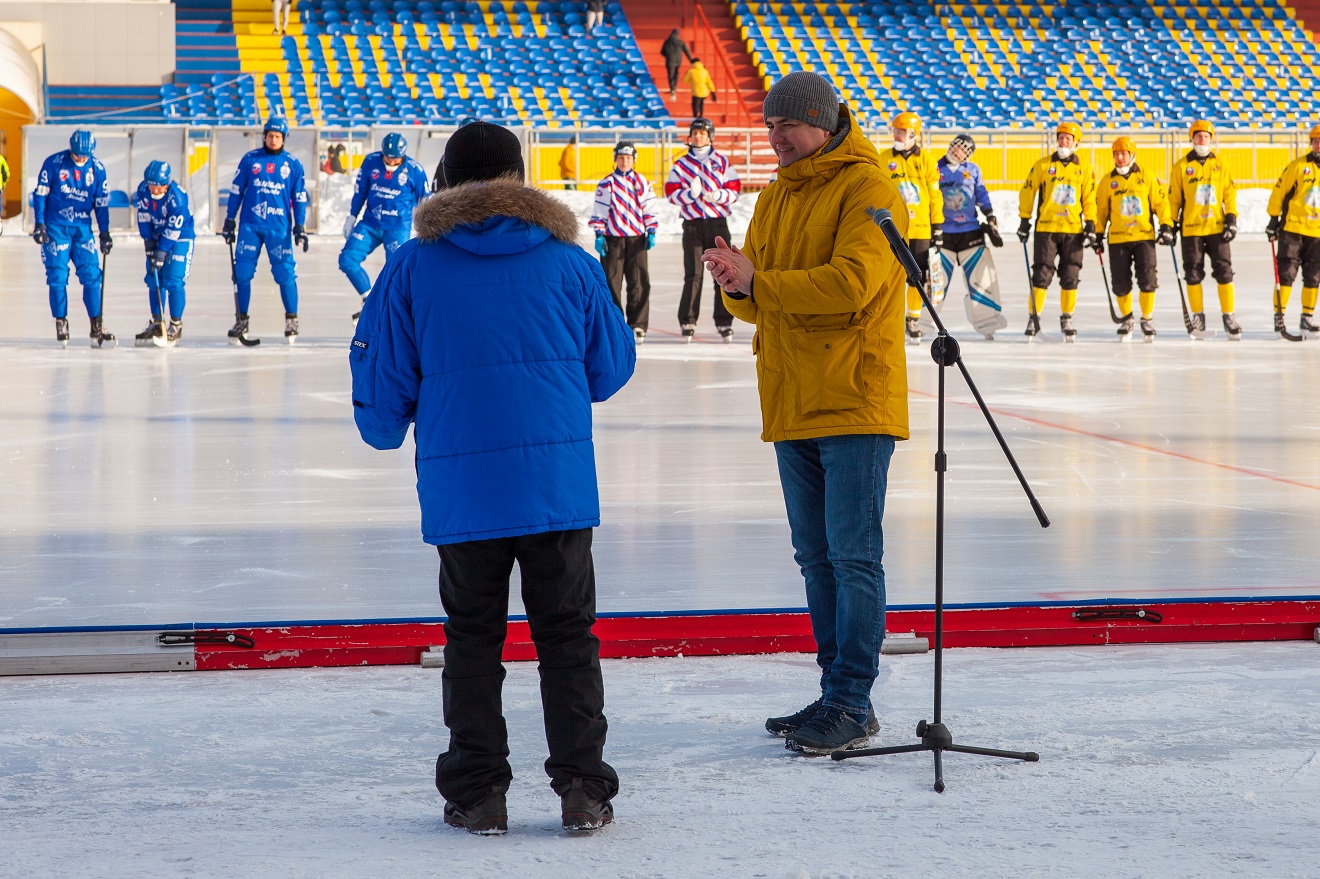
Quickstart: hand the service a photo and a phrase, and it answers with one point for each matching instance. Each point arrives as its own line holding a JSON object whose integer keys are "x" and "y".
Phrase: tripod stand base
{"x": 936, "y": 738}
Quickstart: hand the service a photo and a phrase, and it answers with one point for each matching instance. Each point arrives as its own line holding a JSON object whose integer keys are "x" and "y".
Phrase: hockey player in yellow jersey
{"x": 1063, "y": 183}
{"x": 1203, "y": 207}
{"x": 915, "y": 172}
{"x": 1294, "y": 211}
{"x": 1131, "y": 205}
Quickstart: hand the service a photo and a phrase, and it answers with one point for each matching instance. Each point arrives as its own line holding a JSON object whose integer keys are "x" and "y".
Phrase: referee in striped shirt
{"x": 623, "y": 218}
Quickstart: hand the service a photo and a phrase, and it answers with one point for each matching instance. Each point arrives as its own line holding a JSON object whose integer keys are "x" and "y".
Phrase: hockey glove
{"x": 1024, "y": 230}
{"x": 107, "y": 243}
{"x": 300, "y": 237}
{"x": 936, "y": 236}
{"x": 650, "y": 239}
{"x": 1272, "y": 229}
{"x": 990, "y": 228}
{"x": 159, "y": 258}
{"x": 149, "y": 245}
{"x": 227, "y": 231}
{"x": 600, "y": 245}
{"x": 349, "y": 224}
{"x": 1230, "y": 227}
{"x": 695, "y": 189}
{"x": 1089, "y": 238}
{"x": 40, "y": 235}
{"x": 1165, "y": 238}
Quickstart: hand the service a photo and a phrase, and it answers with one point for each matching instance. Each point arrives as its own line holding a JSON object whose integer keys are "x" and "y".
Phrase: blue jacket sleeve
{"x": 237, "y": 189}
{"x": 359, "y": 192}
{"x": 174, "y": 220}
{"x": 611, "y": 351}
{"x": 44, "y": 176}
{"x": 145, "y": 229}
{"x": 101, "y": 201}
{"x": 385, "y": 366}
{"x": 421, "y": 186}
{"x": 299, "y": 193}
{"x": 983, "y": 195}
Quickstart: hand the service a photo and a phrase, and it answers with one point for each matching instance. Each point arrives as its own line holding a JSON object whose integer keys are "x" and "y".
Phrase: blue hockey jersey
{"x": 167, "y": 220}
{"x": 963, "y": 193}
{"x": 268, "y": 188}
{"x": 67, "y": 193}
{"x": 390, "y": 194}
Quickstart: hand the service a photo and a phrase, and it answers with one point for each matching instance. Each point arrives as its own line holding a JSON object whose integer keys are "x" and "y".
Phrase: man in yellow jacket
{"x": 1128, "y": 198}
{"x": 917, "y": 177}
{"x": 1065, "y": 225}
{"x": 817, "y": 278}
{"x": 1295, "y": 206}
{"x": 1203, "y": 207}
{"x": 699, "y": 80}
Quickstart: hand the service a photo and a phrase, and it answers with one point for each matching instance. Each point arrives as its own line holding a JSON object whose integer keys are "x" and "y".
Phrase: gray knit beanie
{"x": 807, "y": 97}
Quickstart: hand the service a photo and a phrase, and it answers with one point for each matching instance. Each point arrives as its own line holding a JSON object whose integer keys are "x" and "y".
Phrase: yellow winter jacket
{"x": 917, "y": 176}
{"x": 1201, "y": 194}
{"x": 698, "y": 79}
{"x": 1067, "y": 194}
{"x": 1125, "y": 204}
{"x": 828, "y": 296}
{"x": 1298, "y": 191}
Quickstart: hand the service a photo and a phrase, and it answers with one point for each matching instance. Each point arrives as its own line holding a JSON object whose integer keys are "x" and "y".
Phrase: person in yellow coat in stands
{"x": 1064, "y": 184}
{"x": 916, "y": 173}
{"x": 703, "y": 86}
{"x": 1203, "y": 208}
{"x": 1130, "y": 202}
{"x": 1294, "y": 211}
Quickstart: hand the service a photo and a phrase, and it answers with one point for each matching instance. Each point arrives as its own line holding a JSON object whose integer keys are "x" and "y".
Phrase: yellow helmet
{"x": 1070, "y": 128}
{"x": 1201, "y": 125}
{"x": 907, "y": 120}
{"x": 1315, "y": 132}
{"x": 1125, "y": 143}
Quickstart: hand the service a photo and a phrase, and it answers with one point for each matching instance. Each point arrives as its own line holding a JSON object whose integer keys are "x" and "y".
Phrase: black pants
{"x": 698, "y": 105}
{"x": 1195, "y": 248}
{"x": 626, "y": 258}
{"x": 671, "y": 70}
{"x": 1065, "y": 248}
{"x": 559, "y": 593}
{"x": 699, "y": 235}
{"x": 957, "y": 242}
{"x": 1297, "y": 250}
{"x": 1122, "y": 259}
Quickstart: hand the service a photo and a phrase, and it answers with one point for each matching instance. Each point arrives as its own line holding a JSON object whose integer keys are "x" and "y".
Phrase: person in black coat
{"x": 674, "y": 50}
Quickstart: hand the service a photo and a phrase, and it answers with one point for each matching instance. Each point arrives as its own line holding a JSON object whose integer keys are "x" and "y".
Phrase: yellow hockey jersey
{"x": 1201, "y": 194}
{"x": 917, "y": 176}
{"x": 1296, "y": 197}
{"x": 1125, "y": 204}
{"x": 1067, "y": 194}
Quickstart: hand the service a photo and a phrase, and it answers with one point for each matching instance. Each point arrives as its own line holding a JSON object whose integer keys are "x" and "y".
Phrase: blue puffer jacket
{"x": 493, "y": 332}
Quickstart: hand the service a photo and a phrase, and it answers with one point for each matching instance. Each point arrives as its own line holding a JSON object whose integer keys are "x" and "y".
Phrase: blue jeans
{"x": 834, "y": 489}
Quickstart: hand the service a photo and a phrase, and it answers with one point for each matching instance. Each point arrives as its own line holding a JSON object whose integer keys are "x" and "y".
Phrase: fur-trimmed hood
{"x": 479, "y": 203}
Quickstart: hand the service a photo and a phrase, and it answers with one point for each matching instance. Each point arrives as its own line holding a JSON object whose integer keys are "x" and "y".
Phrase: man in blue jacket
{"x": 268, "y": 188}
{"x": 70, "y": 187}
{"x": 166, "y": 226}
{"x": 389, "y": 186}
{"x": 492, "y": 333}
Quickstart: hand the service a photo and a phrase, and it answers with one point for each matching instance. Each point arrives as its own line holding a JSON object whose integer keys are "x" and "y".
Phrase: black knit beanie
{"x": 482, "y": 151}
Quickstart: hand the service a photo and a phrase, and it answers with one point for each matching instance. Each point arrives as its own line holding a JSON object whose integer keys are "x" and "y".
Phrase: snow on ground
{"x": 1156, "y": 761}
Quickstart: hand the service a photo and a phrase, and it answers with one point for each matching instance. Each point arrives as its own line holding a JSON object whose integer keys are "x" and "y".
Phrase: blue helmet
{"x": 276, "y": 123}
{"x": 394, "y": 146}
{"x": 158, "y": 173}
{"x": 82, "y": 143}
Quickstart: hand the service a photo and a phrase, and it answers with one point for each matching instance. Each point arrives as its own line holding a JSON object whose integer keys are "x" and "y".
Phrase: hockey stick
{"x": 1109, "y": 293}
{"x": 1031, "y": 291}
{"x": 1278, "y": 298}
{"x": 104, "y": 336}
{"x": 160, "y": 340}
{"x": 1182, "y": 295}
{"x": 233, "y": 277}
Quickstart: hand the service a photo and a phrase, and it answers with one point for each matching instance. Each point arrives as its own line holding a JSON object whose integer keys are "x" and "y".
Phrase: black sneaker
{"x": 580, "y": 811}
{"x": 791, "y": 723}
{"x": 490, "y": 817}
{"x": 829, "y": 731}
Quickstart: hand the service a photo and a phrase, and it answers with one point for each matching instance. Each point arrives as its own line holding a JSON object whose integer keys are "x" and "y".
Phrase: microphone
{"x": 885, "y": 220}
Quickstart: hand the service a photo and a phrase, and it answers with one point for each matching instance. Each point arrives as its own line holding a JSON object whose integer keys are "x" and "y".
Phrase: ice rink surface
{"x": 217, "y": 484}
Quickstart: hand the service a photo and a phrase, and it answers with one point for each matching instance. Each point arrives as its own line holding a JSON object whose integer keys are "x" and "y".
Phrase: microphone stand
{"x": 944, "y": 350}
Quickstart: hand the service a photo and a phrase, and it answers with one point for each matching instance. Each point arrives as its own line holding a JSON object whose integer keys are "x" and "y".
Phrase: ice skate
{"x": 1198, "y": 321}
{"x": 639, "y": 335}
{"x": 1147, "y": 329}
{"x": 726, "y": 334}
{"x": 174, "y": 332}
{"x": 1066, "y": 324}
{"x": 1233, "y": 329}
{"x": 1279, "y": 326}
{"x": 1309, "y": 326}
{"x": 100, "y": 338}
{"x": 1125, "y": 328}
{"x": 290, "y": 327}
{"x": 1033, "y": 327}
{"x": 238, "y": 332}
{"x": 689, "y": 332}
{"x": 62, "y": 331}
{"x": 151, "y": 331}
{"x": 913, "y": 329}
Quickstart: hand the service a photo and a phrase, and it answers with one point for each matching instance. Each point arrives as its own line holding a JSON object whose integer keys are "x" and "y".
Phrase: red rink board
{"x": 402, "y": 643}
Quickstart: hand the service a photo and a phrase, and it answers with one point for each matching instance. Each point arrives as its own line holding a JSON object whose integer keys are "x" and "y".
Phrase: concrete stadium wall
{"x": 96, "y": 42}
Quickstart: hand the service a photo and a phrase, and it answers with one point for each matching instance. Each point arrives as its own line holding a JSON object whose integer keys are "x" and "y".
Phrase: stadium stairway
{"x": 1307, "y": 13}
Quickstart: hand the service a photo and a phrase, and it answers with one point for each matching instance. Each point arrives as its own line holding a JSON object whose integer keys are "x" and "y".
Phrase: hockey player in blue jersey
{"x": 166, "y": 226}
{"x": 271, "y": 203}
{"x": 965, "y": 237}
{"x": 389, "y": 185}
{"x": 70, "y": 187}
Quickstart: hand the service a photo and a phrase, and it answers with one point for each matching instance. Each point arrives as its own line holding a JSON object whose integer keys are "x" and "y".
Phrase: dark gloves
{"x": 159, "y": 258}
{"x": 40, "y": 235}
{"x": 1230, "y": 227}
{"x": 149, "y": 245}
{"x": 107, "y": 243}
{"x": 936, "y": 236}
{"x": 300, "y": 236}
{"x": 1272, "y": 229}
{"x": 650, "y": 239}
{"x": 600, "y": 245}
{"x": 1089, "y": 238}
{"x": 1165, "y": 236}
{"x": 1024, "y": 230}
{"x": 227, "y": 231}
{"x": 990, "y": 228}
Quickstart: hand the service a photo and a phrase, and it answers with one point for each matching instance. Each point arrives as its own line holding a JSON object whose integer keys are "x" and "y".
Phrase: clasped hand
{"x": 730, "y": 268}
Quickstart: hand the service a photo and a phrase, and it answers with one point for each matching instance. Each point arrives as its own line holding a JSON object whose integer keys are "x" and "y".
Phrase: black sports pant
{"x": 671, "y": 70}
{"x": 1123, "y": 257}
{"x": 626, "y": 257}
{"x": 1195, "y": 249}
{"x": 559, "y": 594}
{"x": 699, "y": 235}
{"x": 1066, "y": 248}
{"x": 698, "y": 105}
{"x": 1297, "y": 250}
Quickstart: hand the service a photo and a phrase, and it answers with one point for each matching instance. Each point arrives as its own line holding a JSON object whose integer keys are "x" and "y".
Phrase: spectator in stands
{"x": 817, "y": 278}
{"x": 285, "y": 7}
{"x": 568, "y": 163}
{"x": 674, "y": 50}
{"x": 491, "y": 334}
{"x": 1294, "y": 210}
{"x": 336, "y": 160}
{"x": 704, "y": 185}
{"x": 699, "y": 80}
{"x": 623, "y": 218}
{"x": 595, "y": 14}
{"x": 1203, "y": 207}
